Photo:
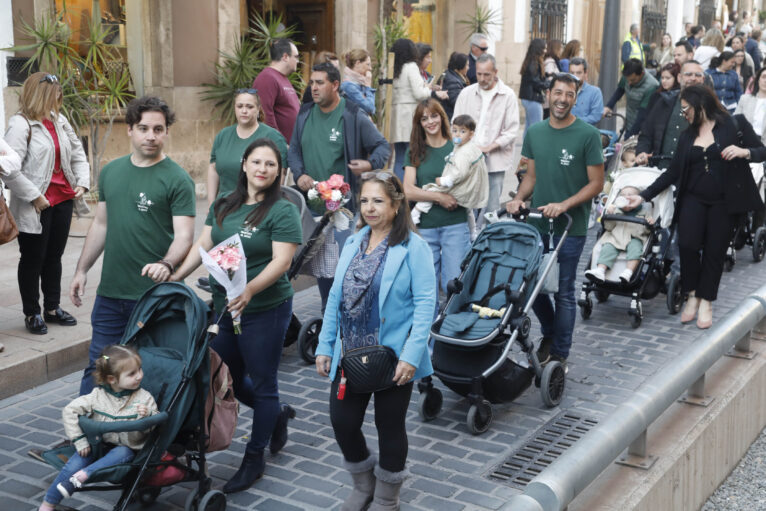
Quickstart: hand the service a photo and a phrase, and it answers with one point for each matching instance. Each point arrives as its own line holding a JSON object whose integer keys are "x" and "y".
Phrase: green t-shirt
{"x": 429, "y": 169}
{"x": 561, "y": 158}
{"x": 322, "y": 143}
{"x": 228, "y": 149}
{"x": 140, "y": 205}
{"x": 282, "y": 223}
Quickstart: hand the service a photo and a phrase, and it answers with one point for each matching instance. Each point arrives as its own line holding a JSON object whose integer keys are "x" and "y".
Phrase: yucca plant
{"x": 249, "y": 57}
{"x": 96, "y": 87}
{"x": 480, "y": 22}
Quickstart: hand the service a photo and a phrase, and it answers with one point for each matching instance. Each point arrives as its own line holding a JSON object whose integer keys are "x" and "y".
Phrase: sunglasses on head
{"x": 49, "y": 78}
{"x": 381, "y": 175}
{"x": 482, "y": 48}
{"x": 247, "y": 91}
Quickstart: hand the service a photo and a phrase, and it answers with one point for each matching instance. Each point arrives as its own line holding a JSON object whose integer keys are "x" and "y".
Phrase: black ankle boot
{"x": 249, "y": 472}
{"x": 279, "y": 435}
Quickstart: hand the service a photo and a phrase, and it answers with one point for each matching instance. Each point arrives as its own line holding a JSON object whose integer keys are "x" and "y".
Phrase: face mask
{"x": 457, "y": 140}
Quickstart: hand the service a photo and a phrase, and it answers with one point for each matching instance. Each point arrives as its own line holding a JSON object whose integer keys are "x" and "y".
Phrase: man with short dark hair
{"x": 565, "y": 170}
{"x": 479, "y": 46}
{"x": 682, "y": 52}
{"x": 639, "y": 86}
{"x": 144, "y": 226}
{"x": 590, "y": 100}
{"x": 752, "y": 49}
{"x": 333, "y": 136}
{"x": 279, "y": 100}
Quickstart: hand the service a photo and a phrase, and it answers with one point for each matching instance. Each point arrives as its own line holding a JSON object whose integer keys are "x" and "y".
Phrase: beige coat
{"x": 104, "y": 406}
{"x": 38, "y": 159}
{"x": 619, "y": 234}
{"x": 468, "y": 173}
{"x": 746, "y": 107}
{"x": 503, "y": 121}
{"x": 409, "y": 90}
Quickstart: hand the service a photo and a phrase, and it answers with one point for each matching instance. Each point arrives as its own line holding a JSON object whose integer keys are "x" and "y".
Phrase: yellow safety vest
{"x": 636, "y": 50}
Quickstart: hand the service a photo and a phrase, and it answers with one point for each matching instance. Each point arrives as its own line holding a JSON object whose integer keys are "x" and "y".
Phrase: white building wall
{"x": 6, "y": 40}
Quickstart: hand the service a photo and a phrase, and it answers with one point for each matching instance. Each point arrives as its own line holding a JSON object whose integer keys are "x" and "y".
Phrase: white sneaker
{"x": 626, "y": 275}
{"x": 596, "y": 275}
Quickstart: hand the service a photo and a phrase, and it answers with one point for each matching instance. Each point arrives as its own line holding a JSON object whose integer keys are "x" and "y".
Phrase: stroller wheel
{"x": 308, "y": 339}
{"x": 214, "y": 500}
{"x": 601, "y": 296}
{"x": 728, "y": 263}
{"x": 430, "y": 404}
{"x": 674, "y": 297}
{"x": 553, "y": 383}
{"x": 479, "y": 417}
{"x": 586, "y": 308}
{"x": 147, "y": 496}
{"x": 759, "y": 244}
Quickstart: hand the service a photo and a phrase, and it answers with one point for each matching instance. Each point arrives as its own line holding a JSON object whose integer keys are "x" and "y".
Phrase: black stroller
{"x": 168, "y": 327}
{"x": 503, "y": 272}
{"x": 750, "y": 230}
{"x": 653, "y": 274}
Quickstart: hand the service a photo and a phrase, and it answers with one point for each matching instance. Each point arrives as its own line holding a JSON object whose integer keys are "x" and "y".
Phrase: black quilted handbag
{"x": 369, "y": 369}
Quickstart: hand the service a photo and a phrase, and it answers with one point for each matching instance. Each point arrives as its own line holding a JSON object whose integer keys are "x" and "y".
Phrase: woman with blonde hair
{"x": 53, "y": 178}
{"x": 711, "y": 46}
{"x": 571, "y": 51}
{"x": 357, "y": 80}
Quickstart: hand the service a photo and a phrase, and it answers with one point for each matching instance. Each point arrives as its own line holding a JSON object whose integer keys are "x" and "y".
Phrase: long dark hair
{"x": 404, "y": 51}
{"x": 757, "y": 78}
{"x": 402, "y": 224}
{"x": 720, "y": 59}
{"x": 554, "y": 49}
{"x": 535, "y": 53}
{"x": 239, "y": 196}
{"x": 745, "y": 71}
{"x": 418, "y": 134}
{"x": 702, "y": 99}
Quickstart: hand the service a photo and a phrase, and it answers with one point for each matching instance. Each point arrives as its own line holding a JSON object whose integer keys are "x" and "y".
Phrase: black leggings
{"x": 704, "y": 232}
{"x": 40, "y": 262}
{"x": 390, "y": 413}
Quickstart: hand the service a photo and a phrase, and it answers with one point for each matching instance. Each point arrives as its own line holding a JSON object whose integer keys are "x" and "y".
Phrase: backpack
{"x": 221, "y": 407}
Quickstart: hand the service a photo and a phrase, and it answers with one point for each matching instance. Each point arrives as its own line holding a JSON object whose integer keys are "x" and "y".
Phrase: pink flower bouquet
{"x": 226, "y": 262}
{"x": 329, "y": 197}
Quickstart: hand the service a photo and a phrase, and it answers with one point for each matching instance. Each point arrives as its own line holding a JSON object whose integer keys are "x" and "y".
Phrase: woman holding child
{"x": 445, "y": 226}
{"x": 713, "y": 181}
{"x": 270, "y": 231}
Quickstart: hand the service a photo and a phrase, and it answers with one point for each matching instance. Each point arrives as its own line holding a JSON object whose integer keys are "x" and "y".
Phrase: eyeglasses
{"x": 49, "y": 79}
{"x": 689, "y": 74}
{"x": 247, "y": 91}
{"x": 382, "y": 175}
{"x": 482, "y": 48}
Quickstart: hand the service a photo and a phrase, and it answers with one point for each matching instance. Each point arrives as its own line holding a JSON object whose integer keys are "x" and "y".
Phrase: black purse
{"x": 369, "y": 368}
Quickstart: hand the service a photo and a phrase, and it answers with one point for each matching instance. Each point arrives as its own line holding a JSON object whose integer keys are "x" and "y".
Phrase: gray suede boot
{"x": 387, "y": 486}
{"x": 364, "y": 484}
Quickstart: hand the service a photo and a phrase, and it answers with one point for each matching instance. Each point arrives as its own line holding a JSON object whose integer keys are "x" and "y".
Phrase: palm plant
{"x": 480, "y": 22}
{"x": 96, "y": 87}
{"x": 249, "y": 57}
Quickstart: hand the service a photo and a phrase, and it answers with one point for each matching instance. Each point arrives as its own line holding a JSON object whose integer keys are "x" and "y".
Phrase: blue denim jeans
{"x": 558, "y": 322}
{"x": 449, "y": 246}
{"x": 256, "y": 353}
{"x": 399, "y": 149}
{"x": 534, "y": 113}
{"x": 108, "y": 319}
{"x": 115, "y": 456}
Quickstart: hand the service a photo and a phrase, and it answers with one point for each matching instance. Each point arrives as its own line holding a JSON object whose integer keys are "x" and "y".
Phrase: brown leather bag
{"x": 8, "y": 228}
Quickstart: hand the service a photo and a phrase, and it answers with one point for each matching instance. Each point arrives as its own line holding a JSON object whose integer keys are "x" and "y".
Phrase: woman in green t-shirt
{"x": 231, "y": 142}
{"x": 270, "y": 230}
{"x": 445, "y": 226}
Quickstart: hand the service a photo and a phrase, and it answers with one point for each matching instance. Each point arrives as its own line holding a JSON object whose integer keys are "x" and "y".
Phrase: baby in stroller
{"x": 118, "y": 397}
{"x": 622, "y": 237}
{"x": 465, "y": 174}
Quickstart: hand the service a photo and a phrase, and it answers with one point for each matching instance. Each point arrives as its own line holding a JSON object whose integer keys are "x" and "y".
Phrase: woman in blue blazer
{"x": 384, "y": 293}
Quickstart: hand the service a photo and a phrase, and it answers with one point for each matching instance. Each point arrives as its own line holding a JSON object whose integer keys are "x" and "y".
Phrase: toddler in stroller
{"x": 624, "y": 237}
{"x": 118, "y": 397}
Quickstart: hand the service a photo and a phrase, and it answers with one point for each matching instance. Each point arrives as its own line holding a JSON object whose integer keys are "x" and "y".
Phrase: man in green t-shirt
{"x": 144, "y": 225}
{"x": 333, "y": 136}
{"x": 565, "y": 170}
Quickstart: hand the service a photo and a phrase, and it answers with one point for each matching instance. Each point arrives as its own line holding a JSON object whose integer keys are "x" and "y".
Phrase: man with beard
{"x": 565, "y": 170}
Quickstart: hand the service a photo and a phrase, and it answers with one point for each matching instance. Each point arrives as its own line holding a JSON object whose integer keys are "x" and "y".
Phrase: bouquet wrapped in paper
{"x": 329, "y": 197}
{"x": 226, "y": 262}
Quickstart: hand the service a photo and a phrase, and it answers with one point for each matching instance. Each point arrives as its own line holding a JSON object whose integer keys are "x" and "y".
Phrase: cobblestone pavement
{"x": 449, "y": 465}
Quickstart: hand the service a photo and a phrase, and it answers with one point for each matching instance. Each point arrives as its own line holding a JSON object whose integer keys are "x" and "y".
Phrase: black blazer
{"x": 532, "y": 84}
{"x": 653, "y": 128}
{"x": 453, "y": 83}
{"x": 740, "y": 192}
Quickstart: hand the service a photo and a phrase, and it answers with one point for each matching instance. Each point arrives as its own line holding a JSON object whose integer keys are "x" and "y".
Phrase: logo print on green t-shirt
{"x": 143, "y": 203}
{"x": 247, "y": 232}
{"x": 566, "y": 158}
{"x": 334, "y": 135}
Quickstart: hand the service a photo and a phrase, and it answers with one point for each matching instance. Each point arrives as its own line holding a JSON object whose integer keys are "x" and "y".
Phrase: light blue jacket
{"x": 590, "y": 104}
{"x": 406, "y": 303}
{"x": 360, "y": 94}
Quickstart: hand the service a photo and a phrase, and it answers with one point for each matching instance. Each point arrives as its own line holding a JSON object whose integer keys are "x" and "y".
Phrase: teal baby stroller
{"x": 168, "y": 328}
{"x": 503, "y": 273}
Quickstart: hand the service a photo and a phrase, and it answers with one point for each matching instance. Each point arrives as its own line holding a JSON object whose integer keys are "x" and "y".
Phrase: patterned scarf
{"x": 357, "y": 301}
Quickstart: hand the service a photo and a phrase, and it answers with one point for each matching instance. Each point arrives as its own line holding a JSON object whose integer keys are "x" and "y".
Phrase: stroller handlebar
{"x": 524, "y": 213}
{"x": 631, "y": 219}
{"x": 95, "y": 429}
